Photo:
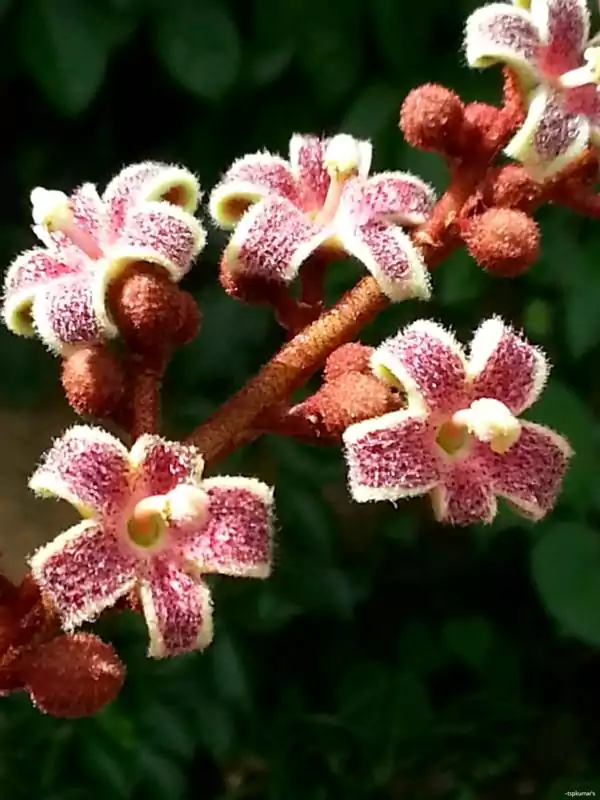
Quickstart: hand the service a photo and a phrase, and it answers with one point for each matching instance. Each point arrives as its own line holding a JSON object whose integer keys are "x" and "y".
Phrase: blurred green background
{"x": 388, "y": 657}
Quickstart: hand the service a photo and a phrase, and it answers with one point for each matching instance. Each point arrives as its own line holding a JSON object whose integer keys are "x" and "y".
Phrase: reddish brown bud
{"x": 503, "y": 241}
{"x": 352, "y": 357}
{"x": 73, "y": 675}
{"x": 249, "y": 289}
{"x": 93, "y": 380}
{"x": 431, "y": 118}
{"x": 190, "y": 319}
{"x": 510, "y": 187}
{"x": 481, "y": 116}
{"x": 146, "y": 308}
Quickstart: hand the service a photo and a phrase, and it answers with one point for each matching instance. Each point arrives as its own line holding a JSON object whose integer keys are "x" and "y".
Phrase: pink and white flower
{"x": 150, "y": 525}
{"x": 546, "y": 42}
{"x": 283, "y": 212}
{"x": 59, "y": 291}
{"x": 459, "y": 439}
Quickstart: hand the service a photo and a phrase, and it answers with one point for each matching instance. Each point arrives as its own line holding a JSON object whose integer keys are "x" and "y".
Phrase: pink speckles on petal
{"x": 83, "y": 571}
{"x": 88, "y": 468}
{"x": 564, "y": 27}
{"x": 161, "y": 234}
{"x": 392, "y": 196}
{"x": 237, "y": 537}
{"x": 65, "y": 313}
{"x": 161, "y": 465}
{"x": 464, "y": 495}
{"x": 500, "y": 32}
{"x": 428, "y": 362}
{"x": 505, "y": 367}
{"x": 88, "y": 211}
{"x": 307, "y": 155}
{"x": 390, "y": 458}
{"x": 177, "y": 608}
{"x": 531, "y": 472}
{"x": 272, "y": 241}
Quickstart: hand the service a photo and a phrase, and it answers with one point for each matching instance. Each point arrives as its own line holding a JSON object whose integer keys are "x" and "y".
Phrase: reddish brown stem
{"x": 145, "y": 382}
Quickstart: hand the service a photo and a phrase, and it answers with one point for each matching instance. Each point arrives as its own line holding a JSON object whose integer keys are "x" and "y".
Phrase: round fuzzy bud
{"x": 93, "y": 381}
{"x": 352, "y": 357}
{"x": 145, "y": 305}
{"x": 190, "y": 319}
{"x": 73, "y": 675}
{"x": 510, "y": 186}
{"x": 351, "y": 398}
{"x": 503, "y": 241}
{"x": 481, "y": 116}
{"x": 431, "y": 118}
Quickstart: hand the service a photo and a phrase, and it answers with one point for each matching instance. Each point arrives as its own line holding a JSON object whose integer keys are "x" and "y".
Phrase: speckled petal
{"x": 161, "y": 465}
{"x": 159, "y": 233}
{"x": 531, "y": 472}
{"x": 550, "y": 138}
{"x": 237, "y": 537}
{"x": 307, "y": 159}
{"x": 390, "y": 457}
{"x": 89, "y": 212}
{"x": 247, "y": 181}
{"x": 391, "y": 258}
{"x": 83, "y": 571}
{"x": 464, "y": 495}
{"x": 429, "y": 364}
{"x": 272, "y": 241}
{"x": 148, "y": 182}
{"x": 30, "y": 272}
{"x": 392, "y": 196}
{"x": 564, "y": 25}
{"x": 73, "y": 312}
{"x": 502, "y": 33}
{"x": 505, "y": 367}
{"x": 177, "y": 608}
{"x": 88, "y": 468}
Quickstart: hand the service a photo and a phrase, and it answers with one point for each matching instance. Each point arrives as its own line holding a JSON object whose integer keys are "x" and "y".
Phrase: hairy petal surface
{"x": 502, "y": 33}
{"x": 393, "y": 196}
{"x": 177, "y": 608}
{"x": 87, "y": 467}
{"x": 505, "y": 367}
{"x": 390, "y": 457}
{"x": 83, "y": 571}
{"x": 564, "y": 26}
{"x": 307, "y": 159}
{"x": 160, "y": 465}
{"x": 88, "y": 211}
{"x": 464, "y": 495}
{"x": 237, "y": 538}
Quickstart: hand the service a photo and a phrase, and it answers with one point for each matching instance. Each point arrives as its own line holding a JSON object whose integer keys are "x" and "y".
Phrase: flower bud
{"x": 93, "y": 380}
{"x": 352, "y": 357}
{"x": 510, "y": 186}
{"x": 431, "y": 118}
{"x": 73, "y": 675}
{"x": 503, "y": 241}
{"x": 190, "y": 319}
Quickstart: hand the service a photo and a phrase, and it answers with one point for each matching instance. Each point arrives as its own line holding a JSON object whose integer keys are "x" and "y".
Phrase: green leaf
{"x": 565, "y": 565}
{"x": 273, "y": 44}
{"x": 582, "y": 317}
{"x": 375, "y": 108}
{"x": 229, "y": 672}
{"x": 470, "y": 639}
{"x": 199, "y": 45}
{"x": 418, "y": 649}
{"x": 65, "y": 48}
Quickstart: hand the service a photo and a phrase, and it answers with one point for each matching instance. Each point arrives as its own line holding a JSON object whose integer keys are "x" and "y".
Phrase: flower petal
{"x": 550, "y": 137}
{"x": 505, "y": 367}
{"x": 177, "y": 608}
{"x": 83, "y": 571}
{"x": 391, "y": 258}
{"x": 88, "y": 211}
{"x": 464, "y": 495}
{"x": 530, "y": 473}
{"x": 429, "y": 364}
{"x": 149, "y": 181}
{"x": 499, "y": 32}
{"x": 307, "y": 159}
{"x": 88, "y": 468}
{"x": 247, "y": 181}
{"x": 390, "y": 457}
{"x": 272, "y": 241}
{"x": 564, "y": 25}
{"x": 159, "y": 233}
{"x": 29, "y": 272}
{"x": 393, "y": 196}
{"x": 237, "y": 537}
{"x": 161, "y": 465}
{"x": 72, "y": 312}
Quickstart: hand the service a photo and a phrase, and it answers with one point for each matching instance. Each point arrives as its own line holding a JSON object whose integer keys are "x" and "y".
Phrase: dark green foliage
{"x": 387, "y": 658}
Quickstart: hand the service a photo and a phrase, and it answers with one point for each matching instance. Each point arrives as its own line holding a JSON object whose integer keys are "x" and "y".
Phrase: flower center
{"x": 342, "y": 160}
{"x": 52, "y": 210}
{"x": 451, "y": 437}
{"x": 491, "y": 422}
{"x": 581, "y": 76}
{"x": 153, "y": 516}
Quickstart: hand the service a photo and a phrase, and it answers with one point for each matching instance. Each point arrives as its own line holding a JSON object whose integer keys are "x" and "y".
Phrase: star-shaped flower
{"x": 59, "y": 291}
{"x": 284, "y": 211}
{"x": 459, "y": 438}
{"x": 150, "y": 525}
{"x": 546, "y": 42}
